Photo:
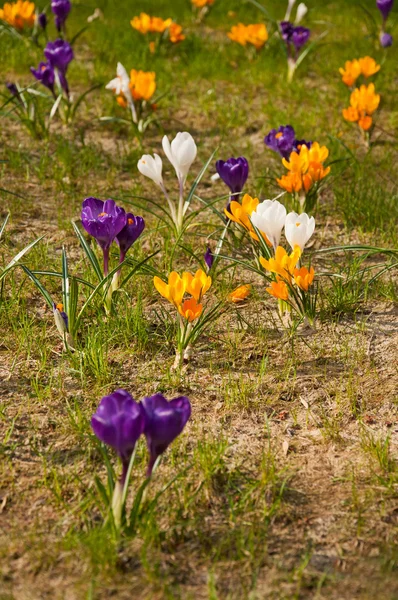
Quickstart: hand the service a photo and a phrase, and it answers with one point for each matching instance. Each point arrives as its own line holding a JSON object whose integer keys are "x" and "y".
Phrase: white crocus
{"x": 269, "y": 218}
{"x": 289, "y": 9}
{"x": 301, "y": 12}
{"x": 151, "y": 167}
{"x": 299, "y": 229}
{"x": 121, "y": 86}
{"x": 181, "y": 153}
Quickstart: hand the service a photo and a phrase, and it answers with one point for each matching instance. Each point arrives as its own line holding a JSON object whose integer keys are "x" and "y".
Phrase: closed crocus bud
{"x": 42, "y": 20}
{"x": 301, "y": 12}
{"x": 59, "y": 54}
{"x": 151, "y": 167}
{"x": 12, "y": 88}
{"x": 60, "y": 318}
{"x": 299, "y": 229}
{"x": 234, "y": 173}
{"x": 269, "y": 217}
{"x": 300, "y": 37}
{"x": 209, "y": 257}
{"x": 129, "y": 234}
{"x": 181, "y": 153}
{"x": 386, "y": 40}
{"x": 164, "y": 421}
{"x": 290, "y": 5}
{"x": 385, "y": 7}
{"x": 61, "y": 10}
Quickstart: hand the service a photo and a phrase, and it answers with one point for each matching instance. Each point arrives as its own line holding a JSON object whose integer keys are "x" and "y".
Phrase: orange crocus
{"x": 351, "y": 72}
{"x": 146, "y": 24}
{"x": 202, "y": 3}
{"x": 190, "y": 310}
{"x": 239, "y": 294}
{"x": 175, "y": 33}
{"x": 255, "y": 34}
{"x": 279, "y": 290}
{"x": 18, "y": 14}
{"x": 368, "y": 66}
{"x": 304, "y": 277}
{"x": 142, "y": 84}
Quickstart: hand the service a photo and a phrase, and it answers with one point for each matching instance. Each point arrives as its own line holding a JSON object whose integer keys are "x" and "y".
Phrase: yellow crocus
{"x": 240, "y": 213}
{"x": 368, "y": 66}
{"x": 283, "y": 264}
{"x": 239, "y": 294}
{"x": 196, "y": 285}
{"x": 173, "y": 290}
{"x": 351, "y": 72}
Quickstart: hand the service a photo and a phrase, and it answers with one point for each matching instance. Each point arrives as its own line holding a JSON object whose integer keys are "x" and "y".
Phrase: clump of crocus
{"x": 284, "y": 141}
{"x": 385, "y": 7}
{"x": 107, "y": 223}
{"x": 186, "y": 294}
{"x": 20, "y": 14}
{"x": 353, "y": 69}
{"x": 290, "y": 282}
{"x": 134, "y": 92}
{"x": 306, "y": 171}
{"x": 181, "y": 153}
{"x": 120, "y": 421}
{"x": 363, "y": 103}
{"x": 159, "y": 29}
{"x": 255, "y": 35}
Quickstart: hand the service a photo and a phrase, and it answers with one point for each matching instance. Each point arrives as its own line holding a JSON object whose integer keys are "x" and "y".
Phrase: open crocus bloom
{"x": 279, "y": 290}
{"x": 283, "y": 264}
{"x": 164, "y": 421}
{"x": 196, "y": 285}
{"x": 151, "y": 167}
{"x": 240, "y": 213}
{"x": 255, "y": 34}
{"x": 303, "y": 277}
{"x": 103, "y": 220}
{"x": 19, "y": 14}
{"x": 350, "y": 72}
{"x": 368, "y": 66}
{"x": 299, "y": 229}
{"x": 239, "y": 294}
{"x": 121, "y": 84}
{"x": 146, "y": 24}
{"x": 142, "y": 84}
{"x": 269, "y": 217}
{"x": 181, "y": 153}
{"x": 173, "y": 290}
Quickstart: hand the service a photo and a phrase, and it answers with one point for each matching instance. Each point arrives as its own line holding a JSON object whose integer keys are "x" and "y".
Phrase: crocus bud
{"x": 269, "y": 217}
{"x": 301, "y": 12}
{"x": 209, "y": 257}
{"x": 42, "y": 20}
{"x": 290, "y": 5}
{"x": 299, "y": 229}
{"x": 61, "y": 319}
{"x": 234, "y": 173}
{"x": 181, "y": 153}
{"x": 386, "y": 39}
{"x": 385, "y": 7}
{"x": 151, "y": 167}
{"x": 12, "y": 88}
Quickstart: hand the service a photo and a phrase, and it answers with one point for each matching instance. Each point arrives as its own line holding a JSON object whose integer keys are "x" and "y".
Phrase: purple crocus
{"x": 164, "y": 421}
{"x": 59, "y": 54}
{"x": 119, "y": 422}
{"x": 234, "y": 173}
{"x": 281, "y": 140}
{"x": 384, "y": 7}
{"x": 45, "y": 74}
{"x": 209, "y": 257}
{"x": 129, "y": 234}
{"x": 42, "y": 20}
{"x": 104, "y": 221}
{"x": 287, "y": 29}
{"x": 61, "y": 10}
{"x": 300, "y": 37}
{"x": 386, "y": 40}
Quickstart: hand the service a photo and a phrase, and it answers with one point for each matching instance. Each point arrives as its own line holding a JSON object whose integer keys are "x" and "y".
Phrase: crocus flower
{"x": 386, "y": 39}
{"x": 121, "y": 83}
{"x": 269, "y": 217}
{"x": 61, "y": 10}
{"x": 303, "y": 278}
{"x": 181, "y": 152}
{"x": 118, "y": 422}
{"x": 42, "y": 20}
{"x": 384, "y": 7}
{"x": 279, "y": 290}
{"x": 196, "y": 285}
{"x": 209, "y": 257}
{"x": 12, "y": 88}
{"x": 173, "y": 290}
{"x": 234, "y": 173}
{"x": 151, "y": 167}
{"x": 281, "y": 140}
{"x": 301, "y": 12}
{"x": 59, "y": 54}
{"x": 286, "y": 29}
{"x": 239, "y": 294}
{"x": 164, "y": 421}
{"x": 45, "y": 74}
{"x": 300, "y": 37}
{"x": 190, "y": 309}
{"x": 282, "y": 264}
{"x": 61, "y": 319}
{"x": 299, "y": 229}
{"x": 129, "y": 234}
{"x": 104, "y": 221}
